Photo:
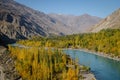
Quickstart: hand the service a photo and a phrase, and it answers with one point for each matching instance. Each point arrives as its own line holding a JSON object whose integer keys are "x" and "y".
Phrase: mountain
{"x": 78, "y": 24}
{"x": 112, "y": 22}
{"x": 20, "y": 22}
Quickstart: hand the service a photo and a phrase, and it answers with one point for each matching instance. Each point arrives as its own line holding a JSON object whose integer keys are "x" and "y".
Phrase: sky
{"x": 100, "y": 8}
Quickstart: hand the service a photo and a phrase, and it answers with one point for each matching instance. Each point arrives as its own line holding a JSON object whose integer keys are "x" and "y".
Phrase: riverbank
{"x": 85, "y": 50}
{"x": 87, "y": 75}
{"x": 99, "y": 54}
{"x": 95, "y": 53}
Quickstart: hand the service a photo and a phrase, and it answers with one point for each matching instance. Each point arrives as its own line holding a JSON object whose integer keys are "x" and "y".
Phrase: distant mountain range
{"x": 112, "y": 22}
{"x": 20, "y": 22}
{"x": 78, "y": 24}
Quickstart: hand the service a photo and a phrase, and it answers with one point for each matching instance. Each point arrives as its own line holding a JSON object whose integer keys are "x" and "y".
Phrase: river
{"x": 103, "y": 68}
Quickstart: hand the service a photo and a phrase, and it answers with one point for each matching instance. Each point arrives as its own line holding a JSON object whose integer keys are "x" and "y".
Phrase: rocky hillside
{"x": 112, "y": 22}
{"x": 20, "y": 22}
{"x": 7, "y": 66}
{"x": 78, "y": 24}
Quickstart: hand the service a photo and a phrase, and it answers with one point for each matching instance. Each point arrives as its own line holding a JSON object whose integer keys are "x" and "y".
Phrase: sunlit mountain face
{"x": 112, "y": 22}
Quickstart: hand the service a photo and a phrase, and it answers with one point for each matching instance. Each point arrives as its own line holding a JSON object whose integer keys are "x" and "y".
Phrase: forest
{"x": 106, "y": 41}
{"x": 46, "y": 64}
{"x": 43, "y": 59}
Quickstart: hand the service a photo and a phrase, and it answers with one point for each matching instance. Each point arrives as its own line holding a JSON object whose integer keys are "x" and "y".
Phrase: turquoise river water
{"x": 103, "y": 68}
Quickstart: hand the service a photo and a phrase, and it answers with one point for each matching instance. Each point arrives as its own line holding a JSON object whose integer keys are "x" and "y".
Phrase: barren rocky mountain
{"x": 78, "y": 24}
{"x": 19, "y": 22}
{"x": 112, "y": 21}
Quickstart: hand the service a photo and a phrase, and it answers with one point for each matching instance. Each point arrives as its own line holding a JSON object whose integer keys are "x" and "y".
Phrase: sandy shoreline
{"x": 89, "y": 76}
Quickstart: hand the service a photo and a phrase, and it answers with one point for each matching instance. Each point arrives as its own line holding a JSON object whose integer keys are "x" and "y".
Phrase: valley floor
{"x": 86, "y": 74}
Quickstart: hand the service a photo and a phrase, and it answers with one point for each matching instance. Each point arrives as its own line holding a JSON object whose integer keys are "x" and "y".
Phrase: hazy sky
{"x": 100, "y": 8}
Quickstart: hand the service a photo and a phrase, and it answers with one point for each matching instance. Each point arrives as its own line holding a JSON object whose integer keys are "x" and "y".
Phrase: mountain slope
{"x": 19, "y": 22}
{"x": 78, "y": 24}
{"x": 112, "y": 22}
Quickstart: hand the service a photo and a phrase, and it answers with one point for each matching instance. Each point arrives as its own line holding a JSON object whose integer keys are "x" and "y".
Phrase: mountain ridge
{"x": 112, "y": 21}
{"x": 78, "y": 24}
{"x": 26, "y": 22}
{"x": 18, "y": 21}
